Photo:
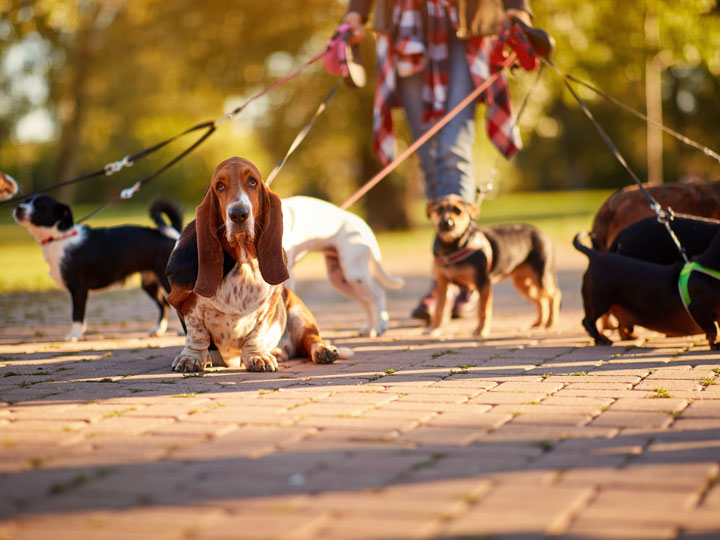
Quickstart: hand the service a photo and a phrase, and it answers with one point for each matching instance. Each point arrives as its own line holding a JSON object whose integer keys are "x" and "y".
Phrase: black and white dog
{"x": 82, "y": 259}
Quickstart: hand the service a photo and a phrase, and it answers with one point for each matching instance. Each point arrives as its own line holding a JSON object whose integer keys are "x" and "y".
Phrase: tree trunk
{"x": 653, "y": 95}
{"x": 80, "y": 58}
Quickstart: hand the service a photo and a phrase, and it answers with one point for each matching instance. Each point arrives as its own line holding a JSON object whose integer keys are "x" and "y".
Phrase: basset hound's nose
{"x": 238, "y": 214}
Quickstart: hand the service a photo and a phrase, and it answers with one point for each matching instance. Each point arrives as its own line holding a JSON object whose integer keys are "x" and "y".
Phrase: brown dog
{"x": 226, "y": 274}
{"x": 628, "y": 205}
{"x": 477, "y": 257}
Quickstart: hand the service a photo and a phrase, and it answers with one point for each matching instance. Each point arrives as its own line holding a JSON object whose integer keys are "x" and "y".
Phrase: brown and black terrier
{"x": 477, "y": 257}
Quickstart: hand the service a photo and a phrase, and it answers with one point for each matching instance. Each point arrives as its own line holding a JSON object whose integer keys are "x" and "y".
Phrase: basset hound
{"x": 226, "y": 275}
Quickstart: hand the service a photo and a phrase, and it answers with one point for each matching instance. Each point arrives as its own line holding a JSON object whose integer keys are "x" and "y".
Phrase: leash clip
{"x": 127, "y": 193}
{"x": 116, "y": 166}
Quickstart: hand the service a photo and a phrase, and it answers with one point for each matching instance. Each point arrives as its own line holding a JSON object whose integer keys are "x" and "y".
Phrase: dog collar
{"x": 684, "y": 277}
{"x": 456, "y": 256}
{"x": 54, "y": 238}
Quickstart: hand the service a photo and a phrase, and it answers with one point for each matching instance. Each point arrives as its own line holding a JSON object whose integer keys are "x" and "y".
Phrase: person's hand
{"x": 354, "y": 19}
{"x": 521, "y": 14}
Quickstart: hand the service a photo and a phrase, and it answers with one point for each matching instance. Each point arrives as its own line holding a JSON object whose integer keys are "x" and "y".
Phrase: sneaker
{"x": 465, "y": 304}
{"x": 424, "y": 308}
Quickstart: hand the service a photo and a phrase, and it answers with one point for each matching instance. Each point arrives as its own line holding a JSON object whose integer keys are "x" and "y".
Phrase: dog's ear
{"x": 473, "y": 210}
{"x": 268, "y": 243}
{"x": 209, "y": 249}
{"x": 64, "y": 217}
{"x": 429, "y": 208}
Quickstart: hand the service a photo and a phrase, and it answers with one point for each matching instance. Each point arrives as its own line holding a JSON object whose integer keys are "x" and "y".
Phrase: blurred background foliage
{"x": 86, "y": 82}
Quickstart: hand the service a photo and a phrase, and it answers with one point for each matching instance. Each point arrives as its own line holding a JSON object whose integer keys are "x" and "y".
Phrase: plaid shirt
{"x": 406, "y": 53}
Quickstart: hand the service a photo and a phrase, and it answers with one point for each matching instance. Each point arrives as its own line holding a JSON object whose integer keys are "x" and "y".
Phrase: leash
{"x": 490, "y": 182}
{"x": 303, "y": 133}
{"x": 526, "y": 43}
{"x": 679, "y": 136}
{"x": 116, "y": 166}
{"x": 429, "y": 133}
{"x": 663, "y": 216}
{"x": 210, "y": 127}
{"x": 684, "y": 277}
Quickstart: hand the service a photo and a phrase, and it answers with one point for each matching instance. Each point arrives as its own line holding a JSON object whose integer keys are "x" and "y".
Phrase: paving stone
{"x": 527, "y": 434}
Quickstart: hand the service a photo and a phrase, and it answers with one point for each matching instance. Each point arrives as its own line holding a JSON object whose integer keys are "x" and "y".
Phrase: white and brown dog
{"x": 352, "y": 254}
{"x": 226, "y": 274}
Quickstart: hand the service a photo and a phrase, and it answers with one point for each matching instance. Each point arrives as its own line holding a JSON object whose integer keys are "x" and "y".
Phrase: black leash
{"x": 679, "y": 136}
{"x": 303, "y": 133}
{"x": 663, "y": 216}
{"x": 489, "y": 185}
{"x": 127, "y": 161}
{"x": 129, "y": 192}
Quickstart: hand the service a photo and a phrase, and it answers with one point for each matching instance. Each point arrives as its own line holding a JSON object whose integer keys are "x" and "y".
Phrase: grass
{"x": 561, "y": 214}
{"x": 660, "y": 393}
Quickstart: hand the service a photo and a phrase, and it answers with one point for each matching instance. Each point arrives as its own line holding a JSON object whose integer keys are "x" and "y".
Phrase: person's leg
{"x": 446, "y": 159}
{"x": 410, "y": 94}
{"x": 453, "y": 160}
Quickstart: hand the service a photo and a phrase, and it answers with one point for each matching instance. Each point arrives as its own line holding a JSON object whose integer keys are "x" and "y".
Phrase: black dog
{"x": 477, "y": 257}
{"x": 647, "y": 294}
{"x": 650, "y": 241}
{"x": 83, "y": 259}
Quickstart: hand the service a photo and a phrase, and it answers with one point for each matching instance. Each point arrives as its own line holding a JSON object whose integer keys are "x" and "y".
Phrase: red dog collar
{"x": 54, "y": 238}
{"x": 460, "y": 255}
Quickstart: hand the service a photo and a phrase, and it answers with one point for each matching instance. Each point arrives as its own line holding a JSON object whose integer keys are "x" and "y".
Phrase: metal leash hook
{"x": 127, "y": 193}
{"x": 117, "y": 166}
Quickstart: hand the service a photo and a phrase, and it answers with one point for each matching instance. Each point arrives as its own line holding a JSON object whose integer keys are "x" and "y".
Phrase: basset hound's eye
{"x": 219, "y": 187}
{"x": 252, "y": 182}
{"x": 456, "y": 210}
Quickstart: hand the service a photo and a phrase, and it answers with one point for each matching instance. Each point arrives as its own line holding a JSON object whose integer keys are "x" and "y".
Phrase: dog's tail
{"x": 388, "y": 281}
{"x": 578, "y": 243}
{"x": 172, "y": 211}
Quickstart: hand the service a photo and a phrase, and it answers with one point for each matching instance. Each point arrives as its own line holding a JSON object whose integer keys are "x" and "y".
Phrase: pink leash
{"x": 508, "y": 61}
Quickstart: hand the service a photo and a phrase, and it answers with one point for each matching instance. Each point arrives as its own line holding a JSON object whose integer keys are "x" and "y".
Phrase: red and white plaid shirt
{"x": 409, "y": 53}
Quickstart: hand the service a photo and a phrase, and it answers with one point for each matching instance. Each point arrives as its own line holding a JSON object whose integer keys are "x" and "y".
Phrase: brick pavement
{"x": 527, "y": 434}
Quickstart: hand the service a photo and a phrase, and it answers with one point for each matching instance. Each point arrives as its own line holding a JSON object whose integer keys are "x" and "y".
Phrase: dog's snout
{"x": 447, "y": 224}
{"x": 239, "y": 214}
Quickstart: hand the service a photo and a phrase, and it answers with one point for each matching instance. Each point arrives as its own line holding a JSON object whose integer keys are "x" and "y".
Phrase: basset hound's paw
{"x": 432, "y": 332}
{"x": 191, "y": 360}
{"x": 324, "y": 353}
{"x": 260, "y": 362}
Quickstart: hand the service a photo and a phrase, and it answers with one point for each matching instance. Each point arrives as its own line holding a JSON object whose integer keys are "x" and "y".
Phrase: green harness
{"x": 685, "y": 277}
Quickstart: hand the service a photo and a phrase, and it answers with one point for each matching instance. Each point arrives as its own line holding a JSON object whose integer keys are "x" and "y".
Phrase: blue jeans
{"x": 446, "y": 159}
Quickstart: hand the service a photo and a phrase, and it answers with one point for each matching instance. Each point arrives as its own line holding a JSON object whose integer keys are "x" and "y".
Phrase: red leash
{"x": 508, "y": 61}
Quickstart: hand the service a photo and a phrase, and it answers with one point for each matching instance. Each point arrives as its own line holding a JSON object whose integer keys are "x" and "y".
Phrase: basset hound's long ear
{"x": 209, "y": 248}
{"x": 268, "y": 243}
